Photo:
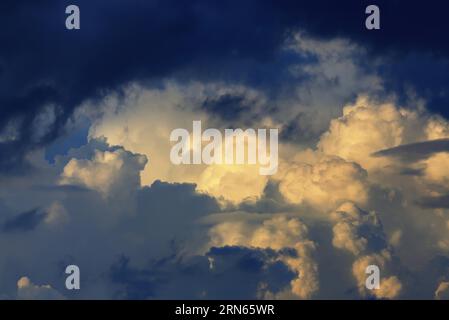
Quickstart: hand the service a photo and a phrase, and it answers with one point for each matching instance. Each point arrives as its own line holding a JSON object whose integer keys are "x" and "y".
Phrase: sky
{"x": 85, "y": 171}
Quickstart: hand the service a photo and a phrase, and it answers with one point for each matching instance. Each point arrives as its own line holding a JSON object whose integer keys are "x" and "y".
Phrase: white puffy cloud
{"x": 234, "y": 183}
{"x": 325, "y": 183}
{"x": 366, "y": 127}
{"x": 113, "y": 171}
{"x": 144, "y": 127}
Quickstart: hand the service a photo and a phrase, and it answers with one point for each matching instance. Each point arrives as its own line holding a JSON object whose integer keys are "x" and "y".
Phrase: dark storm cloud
{"x": 42, "y": 64}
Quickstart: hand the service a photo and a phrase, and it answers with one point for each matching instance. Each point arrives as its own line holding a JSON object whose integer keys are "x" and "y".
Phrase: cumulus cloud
{"x": 232, "y": 182}
{"x": 411, "y": 185}
{"x": 114, "y": 171}
{"x": 325, "y": 183}
{"x": 366, "y": 127}
{"x": 388, "y": 140}
{"x": 145, "y": 126}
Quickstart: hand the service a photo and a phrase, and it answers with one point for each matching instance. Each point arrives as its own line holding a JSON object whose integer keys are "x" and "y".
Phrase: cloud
{"x": 324, "y": 184}
{"x": 436, "y": 171}
{"x": 277, "y": 233}
{"x": 399, "y": 148}
{"x": 26, "y": 290}
{"x": 390, "y": 286}
{"x": 356, "y": 230}
{"x": 331, "y": 76}
{"x": 442, "y": 292}
{"x": 366, "y": 127}
{"x": 415, "y": 151}
{"x": 56, "y": 215}
{"x": 142, "y": 118}
{"x": 361, "y": 234}
{"x": 111, "y": 172}
{"x": 145, "y": 126}
{"x": 232, "y": 182}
